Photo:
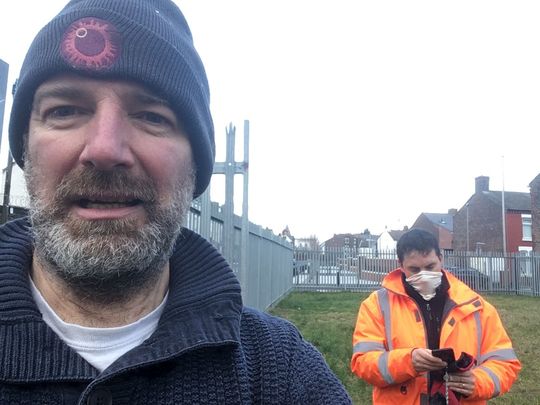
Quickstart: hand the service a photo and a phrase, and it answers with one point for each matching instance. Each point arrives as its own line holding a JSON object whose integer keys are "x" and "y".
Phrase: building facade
{"x": 352, "y": 242}
{"x": 478, "y": 225}
{"x": 439, "y": 225}
{"x": 387, "y": 240}
{"x": 535, "y": 213}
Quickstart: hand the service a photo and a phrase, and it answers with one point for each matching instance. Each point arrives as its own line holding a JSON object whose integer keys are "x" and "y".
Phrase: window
{"x": 526, "y": 223}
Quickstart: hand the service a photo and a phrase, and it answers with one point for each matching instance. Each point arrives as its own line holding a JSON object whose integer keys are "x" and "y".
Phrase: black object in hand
{"x": 446, "y": 354}
{"x": 464, "y": 363}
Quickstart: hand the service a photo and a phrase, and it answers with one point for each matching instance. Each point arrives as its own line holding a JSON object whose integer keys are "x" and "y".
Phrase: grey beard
{"x": 106, "y": 261}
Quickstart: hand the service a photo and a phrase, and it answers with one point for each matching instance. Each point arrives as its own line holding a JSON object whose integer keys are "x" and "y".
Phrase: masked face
{"x": 423, "y": 272}
{"x": 425, "y": 282}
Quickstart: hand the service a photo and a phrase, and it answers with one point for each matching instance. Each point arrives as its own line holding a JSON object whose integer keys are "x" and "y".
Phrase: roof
{"x": 364, "y": 239}
{"x": 513, "y": 200}
{"x": 445, "y": 220}
{"x": 535, "y": 181}
{"x": 396, "y": 234}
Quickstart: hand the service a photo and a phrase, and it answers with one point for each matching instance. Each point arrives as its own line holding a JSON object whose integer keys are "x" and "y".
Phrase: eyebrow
{"x": 58, "y": 91}
{"x": 67, "y": 92}
{"x": 145, "y": 98}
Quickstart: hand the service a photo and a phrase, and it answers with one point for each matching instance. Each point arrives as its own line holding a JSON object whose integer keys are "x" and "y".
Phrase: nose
{"x": 107, "y": 141}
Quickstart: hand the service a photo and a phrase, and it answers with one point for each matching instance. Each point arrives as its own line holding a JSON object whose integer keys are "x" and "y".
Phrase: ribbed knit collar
{"x": 203, "y": 309}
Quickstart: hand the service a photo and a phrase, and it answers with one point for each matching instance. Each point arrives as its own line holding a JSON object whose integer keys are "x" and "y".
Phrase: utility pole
{"x": 4, "y": 68}
{"x": 467, "y": 214}
{"x": 7, "y": 190}
{"x": 503, "y": 210}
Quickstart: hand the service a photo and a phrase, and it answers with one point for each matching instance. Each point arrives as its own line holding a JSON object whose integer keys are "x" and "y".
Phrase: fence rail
{"x": 339, "y": 270}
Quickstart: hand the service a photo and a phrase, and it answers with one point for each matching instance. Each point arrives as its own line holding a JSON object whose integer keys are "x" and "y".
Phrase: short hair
{"x": 417, "y": 240}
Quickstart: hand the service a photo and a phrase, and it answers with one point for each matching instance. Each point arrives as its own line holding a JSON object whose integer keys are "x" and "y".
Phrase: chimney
{"x": 452, "y": 211}
{"x": 482, "y": 184}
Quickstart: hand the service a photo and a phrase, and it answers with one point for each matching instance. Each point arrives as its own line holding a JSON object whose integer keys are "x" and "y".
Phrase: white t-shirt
{"x": 99, "y": 346}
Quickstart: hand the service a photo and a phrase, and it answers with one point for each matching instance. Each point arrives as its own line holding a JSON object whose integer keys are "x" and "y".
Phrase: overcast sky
{"x": 363, "y": 113}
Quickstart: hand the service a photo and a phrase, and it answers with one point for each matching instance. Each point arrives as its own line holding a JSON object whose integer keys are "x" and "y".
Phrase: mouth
{"x": 107, "y": 204}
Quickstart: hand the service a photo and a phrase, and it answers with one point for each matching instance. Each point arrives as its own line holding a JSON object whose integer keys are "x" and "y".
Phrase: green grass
{"x": 327, "y": 320}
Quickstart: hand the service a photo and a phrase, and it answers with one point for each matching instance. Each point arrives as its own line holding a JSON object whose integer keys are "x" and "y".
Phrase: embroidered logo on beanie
{"x": 91, "y": 43}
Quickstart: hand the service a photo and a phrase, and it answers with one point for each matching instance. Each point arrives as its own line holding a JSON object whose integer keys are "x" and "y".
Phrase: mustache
{"x": 90, "y": 184}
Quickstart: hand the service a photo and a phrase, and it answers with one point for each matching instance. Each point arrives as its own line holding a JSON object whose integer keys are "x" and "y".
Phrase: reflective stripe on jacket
{"x": 390, "y": 326}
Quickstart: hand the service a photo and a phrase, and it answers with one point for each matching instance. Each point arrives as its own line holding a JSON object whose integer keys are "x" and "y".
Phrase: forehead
{"x": 71, "y": 85}
{"x": 414, "y": 257}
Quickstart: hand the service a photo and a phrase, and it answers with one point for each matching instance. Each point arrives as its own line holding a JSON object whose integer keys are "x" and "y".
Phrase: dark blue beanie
{"x": 147, "y": 41}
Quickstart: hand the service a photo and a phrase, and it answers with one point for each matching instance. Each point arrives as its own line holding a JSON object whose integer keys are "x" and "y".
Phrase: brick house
{"x": 478, "y": 224}
{"x": 535, "y": 212}
{"x": 351, "y": 242}
{"x": 439, "y": 225}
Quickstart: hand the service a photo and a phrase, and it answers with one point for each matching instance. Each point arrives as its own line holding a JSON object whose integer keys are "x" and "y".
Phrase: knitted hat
{"x": 147, "y": 41}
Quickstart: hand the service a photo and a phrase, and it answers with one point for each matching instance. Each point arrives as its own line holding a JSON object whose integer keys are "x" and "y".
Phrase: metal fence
{"x": 364, "y": 270}
{"x": 268, "y": 275}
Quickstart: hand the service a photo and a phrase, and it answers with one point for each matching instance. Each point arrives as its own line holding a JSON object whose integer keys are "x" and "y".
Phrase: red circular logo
{"x": 91, "y": 44}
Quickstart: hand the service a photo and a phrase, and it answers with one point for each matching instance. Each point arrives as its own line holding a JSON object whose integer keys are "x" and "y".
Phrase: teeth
{"x": 107, "y": 204}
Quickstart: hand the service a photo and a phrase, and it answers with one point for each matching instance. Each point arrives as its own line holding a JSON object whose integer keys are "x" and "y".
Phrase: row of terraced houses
{"x": 476, "y": 227}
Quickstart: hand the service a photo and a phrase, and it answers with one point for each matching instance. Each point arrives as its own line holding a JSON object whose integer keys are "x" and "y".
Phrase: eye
{"x": 64, "y": 111}
{"x": 154, "y": 118}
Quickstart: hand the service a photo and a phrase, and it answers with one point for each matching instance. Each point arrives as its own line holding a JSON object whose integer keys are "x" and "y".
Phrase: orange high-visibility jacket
{"x": 390, "y": 326}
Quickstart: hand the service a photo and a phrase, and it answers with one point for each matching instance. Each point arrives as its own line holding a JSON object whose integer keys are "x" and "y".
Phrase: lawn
{"x": 327, "y": 320}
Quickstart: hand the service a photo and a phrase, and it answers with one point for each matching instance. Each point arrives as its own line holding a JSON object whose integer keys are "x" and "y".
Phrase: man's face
{"x": 110, "y": 175}
{"x": 416, "y": 261}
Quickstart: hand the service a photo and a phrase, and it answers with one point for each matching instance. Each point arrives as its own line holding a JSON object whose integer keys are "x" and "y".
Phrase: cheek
{"x": 408, "y": 273}
{"x": 50, "y": 161}
{"x": 52, "y": 155}
{"x": 166, "y": 162}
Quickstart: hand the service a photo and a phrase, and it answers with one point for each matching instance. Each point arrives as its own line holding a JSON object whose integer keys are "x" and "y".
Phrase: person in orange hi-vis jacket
{"x": 421, "y": 308}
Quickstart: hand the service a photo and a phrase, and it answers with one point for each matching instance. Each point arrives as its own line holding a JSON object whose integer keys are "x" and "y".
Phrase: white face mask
{"x": 425, "y": 282}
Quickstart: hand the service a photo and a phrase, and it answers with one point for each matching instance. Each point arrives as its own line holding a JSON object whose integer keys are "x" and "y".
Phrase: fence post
{"x": 535, "y": 267}
{"x": 514, "y": 273}
{"x": 244, "y": 251}
{"x": 205, "y": 213}
{"x": 229, "y": 168}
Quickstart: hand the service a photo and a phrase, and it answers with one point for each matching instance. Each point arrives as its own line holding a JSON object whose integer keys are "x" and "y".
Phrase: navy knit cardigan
{"x": 208, "y": 348}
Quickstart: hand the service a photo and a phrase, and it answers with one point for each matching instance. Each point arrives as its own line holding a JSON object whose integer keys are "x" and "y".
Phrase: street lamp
{"x": 467, "y": 213}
